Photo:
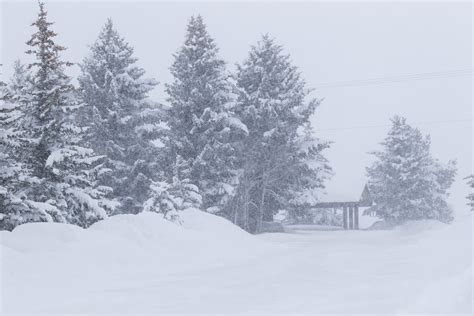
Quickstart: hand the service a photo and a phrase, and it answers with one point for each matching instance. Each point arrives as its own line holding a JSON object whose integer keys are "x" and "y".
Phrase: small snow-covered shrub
{"x": 170, "y": 198}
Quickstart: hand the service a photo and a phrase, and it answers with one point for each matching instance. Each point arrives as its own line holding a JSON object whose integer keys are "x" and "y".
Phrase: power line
{"x": 387, "y": 125}
{"x": 399, "y": 78}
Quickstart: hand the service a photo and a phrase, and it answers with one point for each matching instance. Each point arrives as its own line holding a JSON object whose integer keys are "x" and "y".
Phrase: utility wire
{"x": 396, "y": 79}
{"x": 387, "y": 125}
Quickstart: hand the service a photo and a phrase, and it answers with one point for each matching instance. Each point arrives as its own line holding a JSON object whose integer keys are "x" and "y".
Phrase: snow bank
{"x": 421, "y": 226}
{"x": 40, "y": 237}
{"x": 310, "y": 227}
{"x": 146, "y": 231}
{"x": 61, "y": 262}
{"x": 143, "y": 264}
{"x": 409, "y": 227}
{"x": 449, "y": 250}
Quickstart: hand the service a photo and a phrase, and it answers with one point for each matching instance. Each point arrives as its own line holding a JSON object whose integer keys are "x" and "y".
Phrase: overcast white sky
{"x": 328, "y": 41}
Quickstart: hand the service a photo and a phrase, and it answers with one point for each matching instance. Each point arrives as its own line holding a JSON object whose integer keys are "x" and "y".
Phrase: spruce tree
{"x": 56, "y": 182}
{"x": 282, "y": 161}
{"x": 123, "y": 125}
{"x": 19, "y": 84}
{"x": 17, "y": 203}
{"x": 50, "y": 90}
{"x": 13, "y": 175}
{"x": 406, "y": 182}
{"x": 203, "y": 126}
{"x": 308, "y": 168}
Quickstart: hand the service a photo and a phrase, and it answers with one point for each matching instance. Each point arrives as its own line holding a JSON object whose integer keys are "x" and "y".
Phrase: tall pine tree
{"x": 57, "y": 174}
{"x": 122, "y": 124}
{"x": 15, "y": 177}
{"x": 406, "y": 182}
{"x": 50, "y": 91}
{"x": 203, "y": 126}
{"x": 282, "y": 161}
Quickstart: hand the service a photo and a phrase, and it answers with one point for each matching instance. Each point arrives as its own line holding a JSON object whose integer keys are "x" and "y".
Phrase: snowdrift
{"x": 143, "y": 264}
{"x": 143, "y": 234}
{"x": 412, "y": 226}
{"x": 64, "y": 262}
{"x": 448, "y": 250}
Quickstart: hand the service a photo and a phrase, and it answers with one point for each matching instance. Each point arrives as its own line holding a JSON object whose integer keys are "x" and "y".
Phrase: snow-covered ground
{"x": 141, "y": 264}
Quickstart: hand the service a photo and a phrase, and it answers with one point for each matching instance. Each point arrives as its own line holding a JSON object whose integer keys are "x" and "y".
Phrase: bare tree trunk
{"x": 261, "y": 206}
{"x": 245, "y": 204}
{"x": 236, "y": 207}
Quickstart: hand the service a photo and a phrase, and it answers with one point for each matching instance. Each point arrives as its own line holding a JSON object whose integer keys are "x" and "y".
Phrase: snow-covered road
{"x": 377, "y": 271}
{"x": 417, "y": 268}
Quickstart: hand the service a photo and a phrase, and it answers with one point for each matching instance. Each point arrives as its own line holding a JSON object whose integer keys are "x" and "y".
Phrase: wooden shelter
{"x": 350, "y": 209}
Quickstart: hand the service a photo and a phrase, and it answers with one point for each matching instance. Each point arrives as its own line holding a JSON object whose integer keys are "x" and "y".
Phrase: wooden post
{"x": 344, "y": 216}
{"x": 351, "y": 218}
{"x": 356, "y": 217}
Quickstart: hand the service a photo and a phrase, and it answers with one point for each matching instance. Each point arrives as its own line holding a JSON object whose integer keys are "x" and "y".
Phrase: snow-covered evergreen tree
{"x": 14, "y": 176}
{"x": 18, "y": 203}
{"x": 55, "y": 174}
{"x": 282, "y": 160}
{"x": 50, "y": 91}
{"x": 308, "y": 169}
{"x": 406, "y": 182}
{"x": 172, "y": 196}
{"x": 122, "y": 124}
{"x": 74, "y": 170}
{"x": 203, "y": 127}
{"x": 19, "y": 84}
